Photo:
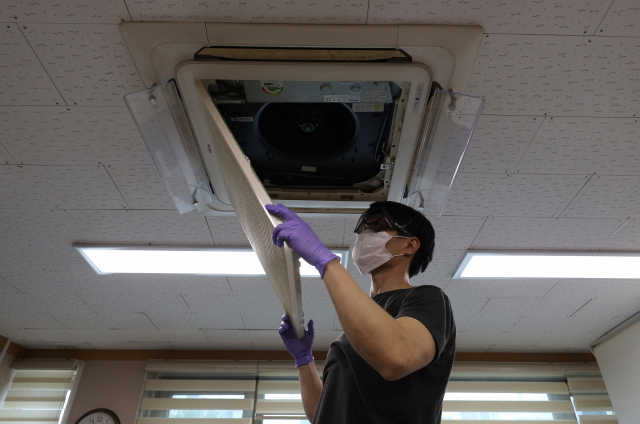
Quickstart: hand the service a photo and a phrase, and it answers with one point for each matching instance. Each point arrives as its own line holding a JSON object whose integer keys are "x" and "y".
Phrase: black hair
{"x": 415, "y": 225}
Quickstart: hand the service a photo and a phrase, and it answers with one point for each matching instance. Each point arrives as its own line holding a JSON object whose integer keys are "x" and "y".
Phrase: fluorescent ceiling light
{"x": 550, "y": 265}
{"x": 182, "y": 260}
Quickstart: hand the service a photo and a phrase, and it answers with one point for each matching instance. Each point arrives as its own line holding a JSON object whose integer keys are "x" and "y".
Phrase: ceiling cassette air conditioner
{"x": 324, "y": 119}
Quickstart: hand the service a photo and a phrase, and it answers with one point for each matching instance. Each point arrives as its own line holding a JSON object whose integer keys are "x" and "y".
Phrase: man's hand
{"x": 300, "y": 237}
{"x": 299, "y": 349}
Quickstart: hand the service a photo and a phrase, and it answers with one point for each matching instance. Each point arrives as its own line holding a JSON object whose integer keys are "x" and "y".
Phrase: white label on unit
{"x": 242, "y": 118}
{"x": 367, "y": 107}
{"x": 309, "y": 168}
{"x": 341, "y": 98}
{"x": 416, "y": 100}
{"x": 375, "y": 96}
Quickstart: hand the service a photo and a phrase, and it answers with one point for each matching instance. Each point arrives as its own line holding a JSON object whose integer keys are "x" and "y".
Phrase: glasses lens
{"x": 375, "y": 220}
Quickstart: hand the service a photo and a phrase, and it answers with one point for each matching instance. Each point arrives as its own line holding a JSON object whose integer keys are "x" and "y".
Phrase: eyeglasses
{"x": 379, "y": 220}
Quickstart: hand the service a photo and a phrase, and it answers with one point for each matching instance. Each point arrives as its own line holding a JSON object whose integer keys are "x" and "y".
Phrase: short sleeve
{"x": 431, "y": 306}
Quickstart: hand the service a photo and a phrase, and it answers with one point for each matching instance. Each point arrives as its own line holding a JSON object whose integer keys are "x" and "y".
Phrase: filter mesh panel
{"x": 248, "y": 198}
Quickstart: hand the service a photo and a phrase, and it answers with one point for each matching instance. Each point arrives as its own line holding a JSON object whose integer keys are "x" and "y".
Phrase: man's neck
{"x": 388, "y": 279}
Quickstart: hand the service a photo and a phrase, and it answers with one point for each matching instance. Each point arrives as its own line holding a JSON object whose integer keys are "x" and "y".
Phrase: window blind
{"x": 591, "y": 400}
{"x": 37, "y": 396}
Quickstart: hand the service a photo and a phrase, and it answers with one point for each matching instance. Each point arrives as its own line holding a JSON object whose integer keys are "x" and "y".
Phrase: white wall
{"x": 619, "y": 362}
{"x": 6, "y": 376}
{"x": 115, "y": 385}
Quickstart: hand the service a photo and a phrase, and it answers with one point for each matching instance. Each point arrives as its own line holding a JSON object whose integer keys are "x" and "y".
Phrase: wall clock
{"x": 99, "y": 416}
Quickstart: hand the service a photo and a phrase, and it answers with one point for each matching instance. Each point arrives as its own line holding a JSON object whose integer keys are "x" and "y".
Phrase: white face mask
{"x": 370, "y": 250}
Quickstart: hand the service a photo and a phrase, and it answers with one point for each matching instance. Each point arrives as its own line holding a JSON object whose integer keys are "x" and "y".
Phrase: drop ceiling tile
{"x": 499, "y": 142}
{"x": 134, "y": 346}
{"x": 561, "y": 76}
{"x": 69, "y": 336}
{"x": 16, "y": 303}
{"x": 258, "y": 286}
{"x": 42, "y": 345}
{"x": 6, "y": 288}
{"x": 128, "y": 304}
{"x": 103, "y": 321}
{"x": 584, "y": 146}
{"x": 607, "y": 197}
{"x": 621, "y": 20}
{"x": 167, "y": 284}
{"x": 512, "y": 194}
{"x": 540, "y": 17}
{"x": 277, "y": 11}
{"x": 212, "y": 304}
{"x": 563, "y": 340}
{"x": 137, "y": 226}
{"x": 22, "y": 336}
{"x": 141, "y": 186}
{"x": 152, "y": 336}
{"x": 5, "y": 157}
{"x": 458, "y": 288}
{"x": 85, "y": 11}
{"x": 34, "y": 226}
{"x": 24, "y": 271}
{"x": 626, "y": 237}
{"x": 227, "y": 231}
{"x": 216, "y": 316}
{"x": 484, "y": 322}
{"x": 28, "y": 320}
{"x": 602, "y": 314}
{"x": 544, "y": 233}
{"x": 192, "y": 346}
{"x": 441, "y": 269}
{"x": 476, "y": 348}
{"x": 227, "y": 340}
{"x": 72, "y": 135}
{"x": 350, "y": 224}
{"x": 600, "y": 288}
{"x": 260, "y": 313}
{"x": 25, "y": 81}
{"x": 499, "y": 338}
{"x": 466, "y": 306}
{"x": 71, "y": 187}
{"x": 456, "y": 232}
{"x": 525, "y": 349}
{"x": 89, "y": 63}
{"x": 329, "y": 230}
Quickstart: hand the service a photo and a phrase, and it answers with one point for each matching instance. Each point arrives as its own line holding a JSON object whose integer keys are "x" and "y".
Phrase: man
{"x": 393, "y": 361}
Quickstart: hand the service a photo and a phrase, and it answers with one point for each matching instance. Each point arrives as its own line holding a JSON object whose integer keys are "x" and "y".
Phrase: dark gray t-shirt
{"x": 355, "y": 393}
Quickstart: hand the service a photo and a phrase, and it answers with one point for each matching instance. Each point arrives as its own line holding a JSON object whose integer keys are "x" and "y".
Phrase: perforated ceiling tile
{"x": 149, "y": 336}
{"x": 512, "y": 194}
{"x": 108, "y": 303}
{"x": 562, "y": 76}
{"x": 84, "y": 11}
{"x": 25, "y": 81}
{"x": 624, "y": 289}
{"x": 216, "y": 316}
{"x": 174, "y": 284}
{"x": 484, "y": 322}
{"x": 499, "y": 338}
{"x": 225, "y": 339}
{"x": 133, "y": 346}
{"x": 603, "y": 314}
{"x": 621, "y": 19}
{"x": 28, "y": 319}
{"x": 259, "y": 313}
{"x": 626, "y": 237}
{"x": 89, "y": 63}
{"x": 25, "y": 226}
{"x": 20, "y": 268}
{"x": 499, "y": 288}
{"x": 227, "y": 231}
{"x": 256, "y": 286}
{"x": 21, "y": 336}
{"x": 132, "y": 226}
{"x": 463, "y": 347}
{"x": 528, "y": 349}
{"x": 544, "y": 233}
{"x": 441, "y": 268}
{"x": 499, "y": 142}
{"x": 455, "y": 232}
{"x": 72, "y": 135}
{"x": 466, "y": 306}
{"x": 329, "y": 230}
{"x": 141, "y": 186}
{"x": 5, "y": 288}
{"x": 539, "y": 17}
{"x": 276, "y": 11}
{"x": 5, "y": 157}
{"x": 607, "y": 197}
{"x": 566, "y": 340}
{"x": 584, "y": 146}
{"x": 73, "y": 187}
{"x": 73, "y": 320}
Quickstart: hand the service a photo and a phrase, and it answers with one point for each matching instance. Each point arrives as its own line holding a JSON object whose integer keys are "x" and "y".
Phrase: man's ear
{"x": 412, "y": 246}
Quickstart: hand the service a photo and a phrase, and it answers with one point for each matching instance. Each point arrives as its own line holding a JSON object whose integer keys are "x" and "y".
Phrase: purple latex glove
{"x": 300, "y": 237}
{"x": 299, "y": 349}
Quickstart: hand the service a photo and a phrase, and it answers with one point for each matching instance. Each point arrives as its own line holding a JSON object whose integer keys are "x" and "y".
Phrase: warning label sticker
{"x": 375, "y": 96}
{"x": 367, "y": 107}
{"x": 242, "y": 118}
{"x": 309, "y": 168}
{"x": 340, "y": 98}
{"x": 271, "y": 87}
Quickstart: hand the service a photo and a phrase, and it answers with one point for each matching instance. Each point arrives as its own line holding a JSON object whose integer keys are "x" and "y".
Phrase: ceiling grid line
{"x": 616, "y": 231}
{"x": 41, "y": 64}
{"x": 479, "y": 230}
{"x": 117, "y": 188}
{"x": 603, "y": 17}
{"x": 574, "y": 197}
{"x": 526, "y": 149}
{"x": 128, "y": 11}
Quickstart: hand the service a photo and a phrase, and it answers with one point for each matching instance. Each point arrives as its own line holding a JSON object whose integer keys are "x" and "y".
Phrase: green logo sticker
{"x": 272, "y": 88}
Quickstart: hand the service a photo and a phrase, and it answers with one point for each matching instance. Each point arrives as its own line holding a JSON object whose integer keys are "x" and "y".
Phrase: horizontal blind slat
{"x": 145, "y": 420}
{"x": 278, "y": 387}
{"x": 201, "y": 385}
{"x": 279, "y": 407}
{"x": 29, "y": 421}
{"x": 598, "y": 419}
{"x": 33, "y": 403}
{"x": 586, "y": 385}
{"x": 38, "y": 414}
{"x": 506, "y": 387}
{"x": 509, "y": 421}
{"x": 589, "y": 403}
{"x": 507, "y": 406}
{"x": 198, "y": 366}
{"x": 164, "y": 404}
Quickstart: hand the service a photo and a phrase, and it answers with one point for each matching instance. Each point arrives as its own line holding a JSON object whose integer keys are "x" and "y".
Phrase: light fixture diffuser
{"x": 561, "y": 265}
{"x": 213, "y": 260}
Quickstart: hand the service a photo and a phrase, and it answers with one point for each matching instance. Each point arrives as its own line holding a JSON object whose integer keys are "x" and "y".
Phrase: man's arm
{"x": 310, "y": 388}
{"x": 393, "y": 347}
